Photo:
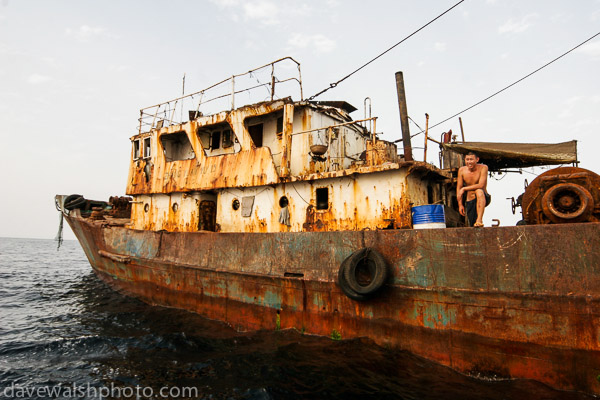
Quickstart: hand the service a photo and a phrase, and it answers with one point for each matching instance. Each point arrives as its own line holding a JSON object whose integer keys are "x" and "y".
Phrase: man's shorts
{"x": 471, "y": 207}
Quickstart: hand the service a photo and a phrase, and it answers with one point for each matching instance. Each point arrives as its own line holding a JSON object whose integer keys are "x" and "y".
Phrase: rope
{"x": 332, "y": 85}
{"x": 509, "y": 86}
{"x": 59, "y": 235}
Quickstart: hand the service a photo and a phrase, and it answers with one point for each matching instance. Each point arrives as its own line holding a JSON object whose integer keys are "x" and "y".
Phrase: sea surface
{"x": 65, "y": 334}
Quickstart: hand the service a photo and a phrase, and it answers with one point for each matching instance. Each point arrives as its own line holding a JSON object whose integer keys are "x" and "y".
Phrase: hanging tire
{"x": 344, "y": 285}
{"x": 362, "y": 274}
{"x": 74, "y": 201}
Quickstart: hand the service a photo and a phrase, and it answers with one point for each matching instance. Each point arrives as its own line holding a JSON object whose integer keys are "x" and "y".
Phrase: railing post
{"x": 272, "y": 81}
{"x": 233, "y": 92}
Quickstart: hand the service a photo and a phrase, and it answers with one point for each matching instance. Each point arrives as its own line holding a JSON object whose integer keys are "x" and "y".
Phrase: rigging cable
{"x": 509, "y": 86}
{"x": 332, "y": 85}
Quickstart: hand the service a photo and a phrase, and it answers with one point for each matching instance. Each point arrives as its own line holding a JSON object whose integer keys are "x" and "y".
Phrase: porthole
{"x": 175, "y": 207}
{"x": 146, "y": 207}
{"x": 235, "y": 204}
{"x": 283, "y": 201}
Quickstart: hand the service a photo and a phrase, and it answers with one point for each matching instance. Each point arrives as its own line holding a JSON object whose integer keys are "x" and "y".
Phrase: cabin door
{"x": 208, "y": 216}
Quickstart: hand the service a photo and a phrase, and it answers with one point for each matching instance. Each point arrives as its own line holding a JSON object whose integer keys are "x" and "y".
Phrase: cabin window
{"x": 147, "y": 147}
{"x": 256, "y": 133}
{"x": 215, "y": 140}
{"x": 227, "y": 138}
{"x": 136, "y": 149}
{"x": 280, "y": 125}
{"x": 322, "y": 198}
{"x": 176, "y": 147}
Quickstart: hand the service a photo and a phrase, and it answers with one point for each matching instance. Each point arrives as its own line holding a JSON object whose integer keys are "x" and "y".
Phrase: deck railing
{"x": 173, "y": 111}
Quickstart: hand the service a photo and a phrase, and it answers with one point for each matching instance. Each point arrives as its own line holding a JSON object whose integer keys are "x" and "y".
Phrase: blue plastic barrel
{"x": 429, "y": 216}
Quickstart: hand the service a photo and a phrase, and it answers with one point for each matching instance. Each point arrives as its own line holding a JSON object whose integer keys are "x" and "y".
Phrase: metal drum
{"x": 429, "y": 216}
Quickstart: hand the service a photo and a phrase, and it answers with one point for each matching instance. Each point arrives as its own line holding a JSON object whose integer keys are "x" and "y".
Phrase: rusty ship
{"x": 289, "y": 214}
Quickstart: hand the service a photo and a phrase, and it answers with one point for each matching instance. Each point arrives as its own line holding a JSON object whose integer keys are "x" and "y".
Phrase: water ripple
{"x": 62, "y": 325}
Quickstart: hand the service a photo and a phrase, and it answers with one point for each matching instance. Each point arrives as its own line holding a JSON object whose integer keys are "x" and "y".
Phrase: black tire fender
{"x": 74, "y": 201}
{"x": 359, "y": 262}
{"x": 344, "y": 285}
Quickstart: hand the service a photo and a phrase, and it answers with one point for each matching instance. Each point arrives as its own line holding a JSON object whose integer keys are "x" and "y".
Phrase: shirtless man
{"x": 472, "y": 179}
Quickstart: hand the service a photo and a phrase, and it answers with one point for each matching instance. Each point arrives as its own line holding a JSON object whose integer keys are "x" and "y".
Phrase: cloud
{"x": 590, "y": 49}
{"x": 265, "y": 11}
{"x": 559, "y": 17}
{"x": 251, "y": 45}
{"x": 35, "y": 79}
{"x": 119, "y": 68}
{"x": 50, "y": 62}
{"x": 518, "y": 26}
{"x": 439, "y": 46}
{"x": 86, "y": 33}
{"x": 570, "y": 105}
{"x": 320, "y": 43}
{"x": 225, "y": 3}
{"x": 7, "y": 50}
{"x": 572, "y": 100}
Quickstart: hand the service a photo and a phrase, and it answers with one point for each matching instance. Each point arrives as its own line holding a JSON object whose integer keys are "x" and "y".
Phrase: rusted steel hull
{"x": 520, "y": 302}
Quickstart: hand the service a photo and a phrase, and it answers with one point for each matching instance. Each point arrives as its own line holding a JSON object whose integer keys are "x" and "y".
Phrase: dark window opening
{"x": 136, "y": 149}
{"x": 227, "y": 138}
{"x": 215, "y": 137}
{"x": 215, "y": 140}
{"x": 177, "y": 146}
{"x": 322, "y": 198}
{"x": 429, "y": 194}
{"x": 256, "y": 133}
{"x": 147, "y": 152}
{"x": 279, "y": 124}
{"x": 208, "y": 216}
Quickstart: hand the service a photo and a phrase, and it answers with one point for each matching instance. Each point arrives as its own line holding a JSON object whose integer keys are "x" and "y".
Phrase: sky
{"x": 74, "y": 75}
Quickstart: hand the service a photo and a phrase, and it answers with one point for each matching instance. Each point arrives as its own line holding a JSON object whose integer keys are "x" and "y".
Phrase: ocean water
{"x": 65, "y": 334}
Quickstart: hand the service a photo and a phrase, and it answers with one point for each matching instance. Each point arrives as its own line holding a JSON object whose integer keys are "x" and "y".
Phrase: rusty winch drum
{"x": 563, "y": 195}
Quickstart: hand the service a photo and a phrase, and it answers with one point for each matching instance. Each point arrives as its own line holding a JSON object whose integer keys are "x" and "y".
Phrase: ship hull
{"x": 507, "y": 302}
